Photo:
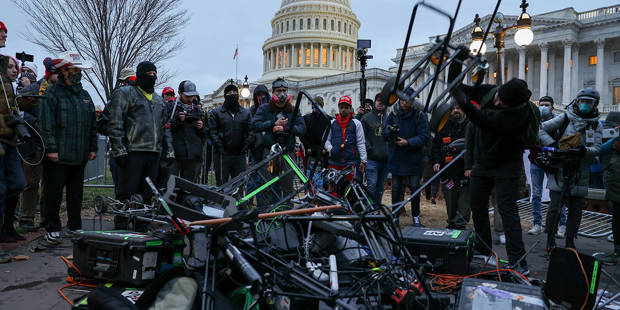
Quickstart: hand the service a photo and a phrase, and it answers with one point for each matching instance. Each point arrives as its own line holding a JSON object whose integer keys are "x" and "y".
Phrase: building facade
{"x": 313, "y": 46}
{"x": 576, "y": 50}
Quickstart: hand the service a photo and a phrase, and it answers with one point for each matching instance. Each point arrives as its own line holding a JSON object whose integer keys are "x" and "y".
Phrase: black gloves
{"x": 581, "y": 151}
{"x": 121, "y": 160}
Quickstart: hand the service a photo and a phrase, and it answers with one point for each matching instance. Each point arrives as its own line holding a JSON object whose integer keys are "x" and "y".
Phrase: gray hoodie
{"x": 376, "y": 146}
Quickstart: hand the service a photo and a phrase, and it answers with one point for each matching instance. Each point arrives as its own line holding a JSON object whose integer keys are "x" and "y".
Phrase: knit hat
{"x": 32, "y": 66}
{"x": 145, "y": 67}
{"x": 345, "y": 100}
{"x": 3, "y": 27}
{"x": 230, "y": 87}
{"x": 514, "y": 92}
{"x": 279, "y": 82}
{"x": 50, "y": 69}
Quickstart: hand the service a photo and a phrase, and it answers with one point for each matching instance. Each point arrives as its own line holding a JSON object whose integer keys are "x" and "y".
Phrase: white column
{"x": 293, "y": 56}
{"x": 566, "y": 72}
{"x": 510, "y": 65}
{"x": 330, "y": 63}
{"x": 492, "y": 67}
{"x": 264, "y": 61}
{"x": 311, "y": 54}
{"x": 522, "y": 50}
{"x": 339, "y": 57}
{"x": 575, "y": 86}
{"x": 551, "y": 76}
{"x": 600, "y": 69}
{"x": 501, "y": 70}
{"x": 530, "y": 70}
{"x": 544, "y": 49}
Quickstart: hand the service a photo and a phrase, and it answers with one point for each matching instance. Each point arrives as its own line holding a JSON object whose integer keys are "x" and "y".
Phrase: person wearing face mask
{"x": 454, "y": 181}
{"x": 272, "y": 120}
{"x": 11, "y": 176}
{"x": 69, "y": 130}
{"x": 139, "y": 132}
{"x": 575, "y": 128}
{"x": 188, "y": 133}
{"x": 537, "y": 175}
{"x": 229, "y": 129}
{"x": 260, "y": 97}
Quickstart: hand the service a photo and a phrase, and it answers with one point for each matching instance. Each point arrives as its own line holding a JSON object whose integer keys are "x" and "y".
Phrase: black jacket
{"x": 187, "y": 140}
{"x": 256, "y": 138}
{"x": 454, "y": 130}
{"x": 265, "y": 120}
{"x": 230, "y": 130}
{"x": 137, "y": 124}
{"x": 497, "y": 149}
{"x": 316, "y": 126}
{"x": 376, "y": 146}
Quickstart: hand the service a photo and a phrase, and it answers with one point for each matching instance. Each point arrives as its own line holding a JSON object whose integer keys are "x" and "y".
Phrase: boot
{"x": 9, "y": 217}
{"x": 610, "y": 258}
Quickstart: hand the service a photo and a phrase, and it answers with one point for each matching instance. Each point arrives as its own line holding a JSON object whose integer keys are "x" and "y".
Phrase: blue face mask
{"x": 544, "y": 111}
{"x": 584, "y": 108}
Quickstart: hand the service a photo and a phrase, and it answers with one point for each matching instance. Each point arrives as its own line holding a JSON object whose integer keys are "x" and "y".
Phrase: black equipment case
{"x": 481, "y": 294}
{"x": 449, "y": 250}
{"x": 124, "y": 256}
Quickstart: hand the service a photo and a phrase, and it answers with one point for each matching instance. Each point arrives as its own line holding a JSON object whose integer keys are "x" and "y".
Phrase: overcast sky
{"x": 215, "y": 27}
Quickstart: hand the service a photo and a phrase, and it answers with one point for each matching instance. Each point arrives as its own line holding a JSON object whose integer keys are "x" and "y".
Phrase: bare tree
{"x": 112, "y": 34}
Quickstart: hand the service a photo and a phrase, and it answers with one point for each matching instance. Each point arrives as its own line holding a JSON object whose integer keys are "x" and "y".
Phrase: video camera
{"x": 551, "y": 159}
{"x": 192, "y": 113}
{"x": 393, "y": 131}
{"x": 452, "y": 148}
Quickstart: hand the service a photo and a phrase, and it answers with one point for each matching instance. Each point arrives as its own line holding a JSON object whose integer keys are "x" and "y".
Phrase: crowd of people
{"x": 157, "y": 136}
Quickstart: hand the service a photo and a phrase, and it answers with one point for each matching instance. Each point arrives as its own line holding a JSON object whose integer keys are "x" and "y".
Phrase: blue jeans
{"x": 376, "y": 174}
{"x": 12, "y": 181}
{"x": 537, "y": 176}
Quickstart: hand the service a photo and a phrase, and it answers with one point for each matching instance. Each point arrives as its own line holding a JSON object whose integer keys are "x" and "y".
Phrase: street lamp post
{"x": 523, "y": 36}
{"x": 245, "y": 91}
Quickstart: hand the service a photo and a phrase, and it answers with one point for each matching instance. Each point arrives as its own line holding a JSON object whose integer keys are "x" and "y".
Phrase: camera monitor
{"x": 363, "y": 43}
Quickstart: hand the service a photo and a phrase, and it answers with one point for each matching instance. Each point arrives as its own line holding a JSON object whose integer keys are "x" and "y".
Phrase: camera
{"x": 192, "y": 113}
{"x": 23, "y": 57}
{"x": 18, "y": 123}
{"x": 393, "y": 131}
{"x": 610, "y": 133}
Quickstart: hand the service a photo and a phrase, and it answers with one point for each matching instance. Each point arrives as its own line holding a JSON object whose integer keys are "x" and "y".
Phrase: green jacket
{"x": 67, "y": 123}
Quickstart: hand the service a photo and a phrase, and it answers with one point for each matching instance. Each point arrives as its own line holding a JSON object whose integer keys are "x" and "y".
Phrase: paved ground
{"x": 33, "y": 284}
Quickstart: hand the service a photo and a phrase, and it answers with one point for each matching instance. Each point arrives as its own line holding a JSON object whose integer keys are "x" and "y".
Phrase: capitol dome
{"x": 310, "y": 39}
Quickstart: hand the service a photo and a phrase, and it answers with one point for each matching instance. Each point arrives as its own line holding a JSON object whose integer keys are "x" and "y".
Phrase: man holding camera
{"x": 138, "y": 132}
{"x": 454, "y": 181}
{"x": 497, "y": 155}
{"x": 188, "y": 133}
{"x": 273, "y": 120}
{"x": 406, "y": 129}
{"x": 316, "y": 126}
{"x": 11, "y": 176}
{"x": 578, "y": 130}
{"x": 69, "y": 129}
{"x": 229, "y": 128}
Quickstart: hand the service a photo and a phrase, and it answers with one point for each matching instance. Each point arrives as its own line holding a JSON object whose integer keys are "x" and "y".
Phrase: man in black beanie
{"x": 229, "y": 129}
{"x": 497, "y": 154}
{"x": 139, "y": 132}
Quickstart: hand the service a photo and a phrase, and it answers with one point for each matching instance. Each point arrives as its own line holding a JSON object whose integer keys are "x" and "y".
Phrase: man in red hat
{"x": 345, "y": 141}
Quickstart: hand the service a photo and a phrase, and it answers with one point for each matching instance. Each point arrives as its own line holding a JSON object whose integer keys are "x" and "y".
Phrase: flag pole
{"x": 237, "y": 63}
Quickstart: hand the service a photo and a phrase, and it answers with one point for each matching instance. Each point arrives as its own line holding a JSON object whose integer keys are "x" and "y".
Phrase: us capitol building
{"x": 313, "y": 45}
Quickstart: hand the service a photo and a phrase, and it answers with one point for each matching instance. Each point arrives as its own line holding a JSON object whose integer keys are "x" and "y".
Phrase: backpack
{"x": 529, "y": 137}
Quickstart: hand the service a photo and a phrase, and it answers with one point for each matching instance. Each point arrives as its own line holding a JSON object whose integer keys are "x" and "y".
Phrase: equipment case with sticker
{"x": 483, "y": 294}
{"x": 449, "y": 250}
{"x": 124, "y": 256}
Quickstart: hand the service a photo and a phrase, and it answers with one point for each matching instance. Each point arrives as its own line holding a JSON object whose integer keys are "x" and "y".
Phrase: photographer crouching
{"x": 498, "y": 151}
{"x": 578, "y": 129}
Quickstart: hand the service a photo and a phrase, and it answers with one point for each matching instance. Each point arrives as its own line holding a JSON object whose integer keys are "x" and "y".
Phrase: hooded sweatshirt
{"x": 376, "y": 146}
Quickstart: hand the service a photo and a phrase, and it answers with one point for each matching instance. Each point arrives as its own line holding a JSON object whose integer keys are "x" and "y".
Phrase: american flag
{"x": 450, "y": 184}
{"x": 236, "y": 53}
